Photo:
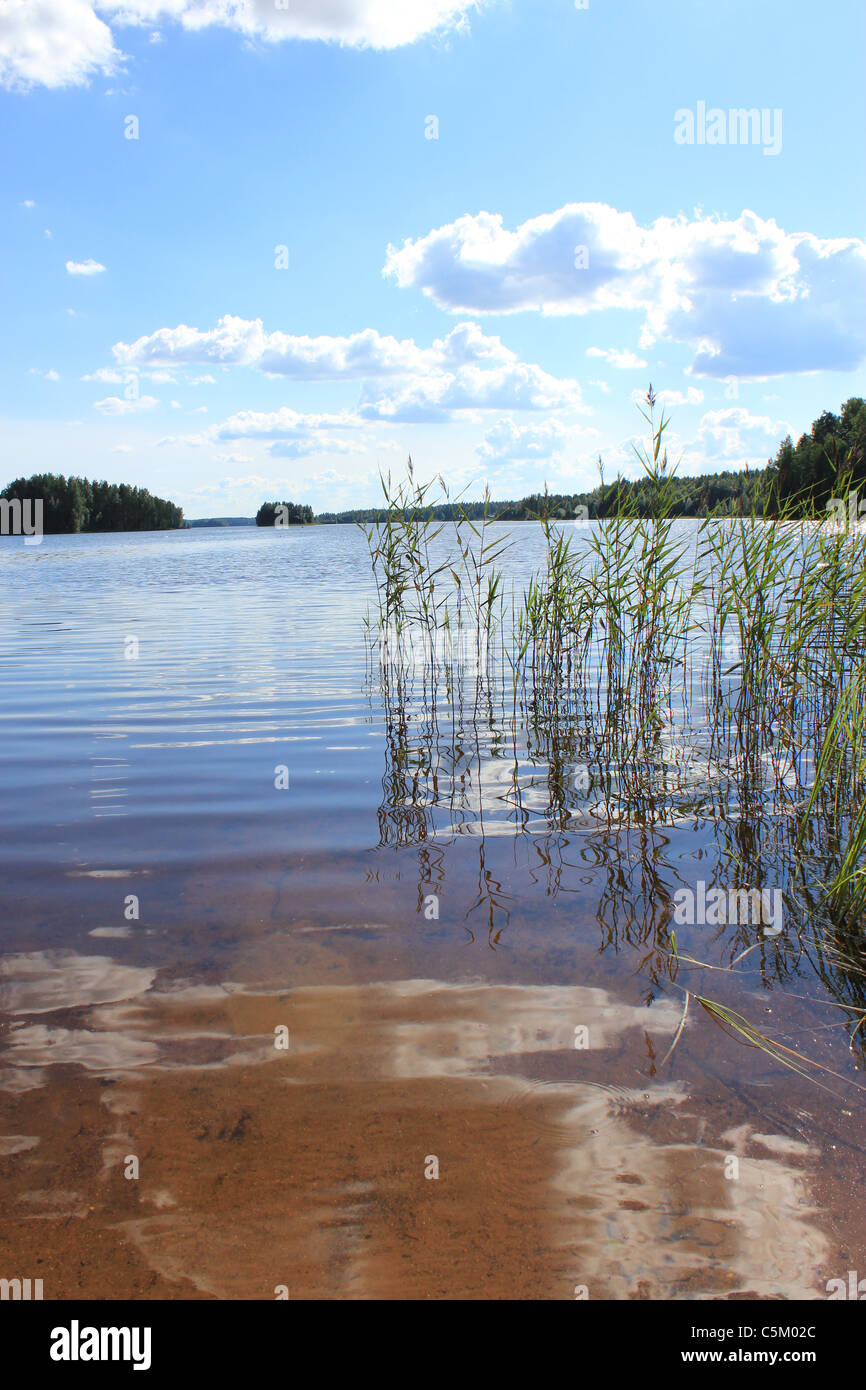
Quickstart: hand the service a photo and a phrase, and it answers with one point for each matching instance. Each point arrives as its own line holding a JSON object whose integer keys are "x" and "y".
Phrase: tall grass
{"x": 726, "y": 661}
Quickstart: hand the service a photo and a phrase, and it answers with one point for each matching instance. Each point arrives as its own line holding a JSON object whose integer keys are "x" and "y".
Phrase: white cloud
{"x": 467, "y": 343}
{"x": 28, "y": 203}
{"x": 115, "y": 377}
{"x": 465, "y": 370}
{"x": 693, "y": 396}
{"x": 302, "y": 448}
{"x": 433, "y": 399}
{"x": 357, "y": 23}
{"x": 244, "y": 342}
{"x": 507, "y": 440}
{"x": 116, "y": 405}
{"x": 477, "y": 262}
{"x": 53, "y": 43}
{"x": 810, "y": 321}
{"x": 279, "y": 424}
{"x": 331, "y": 476}
{"x": 751, "y": 299}
{"x": 735, "y": 435}
{"x": 84, "y": 267}
{"x": 290, "y": 433}
{"x": 59, "y": 43}
{"x": 623, "y": 358}
{"x": 243, "y": 492}
{"x": 107, "y": 374}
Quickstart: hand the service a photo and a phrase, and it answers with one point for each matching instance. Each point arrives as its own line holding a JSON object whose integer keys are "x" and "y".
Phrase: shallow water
{"x": 461, "y": 950}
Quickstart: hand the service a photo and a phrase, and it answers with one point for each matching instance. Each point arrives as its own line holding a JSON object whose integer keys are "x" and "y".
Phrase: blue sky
{"x": 498, "y": 227}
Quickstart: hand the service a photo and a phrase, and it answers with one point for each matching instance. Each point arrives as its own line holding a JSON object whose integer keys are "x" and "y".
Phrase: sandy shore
{"x": 289, "y": 1140}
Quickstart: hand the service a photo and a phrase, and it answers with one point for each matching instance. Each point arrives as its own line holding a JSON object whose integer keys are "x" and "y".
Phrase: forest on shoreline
{"x": 799, "y": 482}
{"x": 73, "y": 505}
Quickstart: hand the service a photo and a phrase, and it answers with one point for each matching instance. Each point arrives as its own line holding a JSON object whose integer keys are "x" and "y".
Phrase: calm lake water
{"x": 376, "y": 1007}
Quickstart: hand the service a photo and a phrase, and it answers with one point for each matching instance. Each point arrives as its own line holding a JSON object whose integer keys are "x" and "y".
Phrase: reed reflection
{"x": 479, "y": 749}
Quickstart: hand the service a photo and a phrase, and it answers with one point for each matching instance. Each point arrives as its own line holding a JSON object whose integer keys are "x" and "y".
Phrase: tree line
{"x": 798, "y": 482}
{"x": 284, "y": 514}
{"x": 77, "y": 504}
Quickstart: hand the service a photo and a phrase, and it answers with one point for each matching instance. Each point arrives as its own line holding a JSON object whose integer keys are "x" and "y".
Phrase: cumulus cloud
{"x": 693, "y": 396}
{"x": 244, "y": 342}
{"x": 623, "y": 358}
{"x": 283, "y": 424}
{"x": 812, "y": 321}
{"x": 476, "y": 261}
{"x": 109, "y": 375}
{"x": 509, "y": 441}
{"x": 751, "y": 299}
{"x": 84, "y": 267}
{"x": 53, "y": 43}
{"x": 116, "y": 405}
{"x": 402, "y": 381}
{"x": 735, "y": 435}
{"x": 243, "y": 493}
{"x": 434, "y": 399}
{"x": 356, "y": 23}
{"x": 302, "y": 448}
{"x": 60, "y": 43}
{"x": 114, "y": 377}
{"x": 288, "y": 433}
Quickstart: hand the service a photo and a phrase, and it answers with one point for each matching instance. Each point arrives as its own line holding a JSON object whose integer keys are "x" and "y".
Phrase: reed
{"x": 716, "y": 672}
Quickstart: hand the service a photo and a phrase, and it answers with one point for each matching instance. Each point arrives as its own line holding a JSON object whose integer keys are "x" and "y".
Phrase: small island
{"x": 281, "y": 514}
{"x": 72, "y": 505}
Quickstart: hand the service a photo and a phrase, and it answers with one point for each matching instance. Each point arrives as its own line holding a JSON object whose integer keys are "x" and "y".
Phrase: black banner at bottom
{"x": 228, "y": 1339}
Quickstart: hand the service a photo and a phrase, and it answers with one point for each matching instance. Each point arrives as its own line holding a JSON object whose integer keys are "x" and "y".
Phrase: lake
{"x": 308, "y": 989}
